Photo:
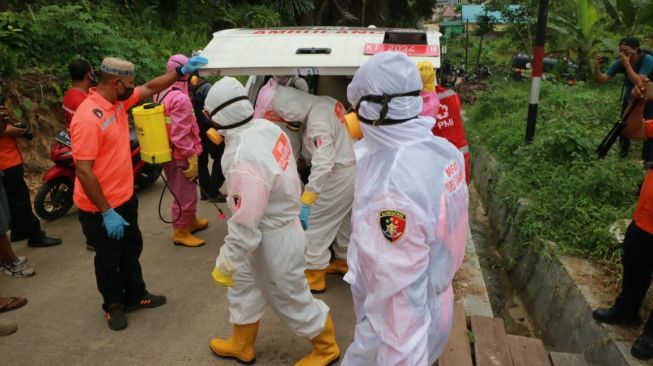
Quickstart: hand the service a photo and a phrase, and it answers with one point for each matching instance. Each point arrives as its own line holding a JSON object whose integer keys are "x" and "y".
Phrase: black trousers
{"x": 210, "y": 182}
{"x": 117, "y": 268}
{"x": 637, "y": 261}
{"x": 23, "y": 223}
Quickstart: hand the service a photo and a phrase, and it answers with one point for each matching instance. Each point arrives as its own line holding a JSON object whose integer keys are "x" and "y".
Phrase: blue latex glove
{"x": 114, "y": 223}
{"x": 304, "y": 214}
{"x": 194, "y": 64}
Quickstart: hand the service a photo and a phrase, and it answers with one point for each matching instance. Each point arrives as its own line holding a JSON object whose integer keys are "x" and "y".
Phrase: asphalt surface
{"x": 63, "y": 324}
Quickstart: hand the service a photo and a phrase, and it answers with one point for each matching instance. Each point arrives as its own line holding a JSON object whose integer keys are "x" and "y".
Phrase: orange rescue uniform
{"x": 643, "y": 215}
{"x": 10, "y": 155}
{"x": 100, "y": 132}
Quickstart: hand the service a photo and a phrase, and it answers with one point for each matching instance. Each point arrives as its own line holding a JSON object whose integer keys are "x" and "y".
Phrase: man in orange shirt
{"x": 24, "y": 224}
{"x": 81, "y": 73}
{"x": 638, "y": 243}
{"x": 105, "y": 184}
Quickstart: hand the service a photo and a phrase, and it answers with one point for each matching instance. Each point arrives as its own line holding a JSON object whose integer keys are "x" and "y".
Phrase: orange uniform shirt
{"x": 643, "y": 215}
{"x": 71, "y": 101}
{"x": 9, "y": 153}
{"x": 100, "y": 132}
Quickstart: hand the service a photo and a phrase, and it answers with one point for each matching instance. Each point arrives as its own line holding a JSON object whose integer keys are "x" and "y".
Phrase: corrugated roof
{"x": 472, "y": 12}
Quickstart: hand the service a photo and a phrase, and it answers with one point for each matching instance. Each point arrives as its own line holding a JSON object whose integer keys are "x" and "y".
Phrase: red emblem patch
{"x": 393, "y": 225}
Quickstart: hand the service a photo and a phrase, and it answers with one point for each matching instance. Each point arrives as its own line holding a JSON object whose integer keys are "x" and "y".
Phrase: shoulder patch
{"x": 282, "y": 151}
{"x": 454, "y": 177}
{"x": 98, "y": 112}
{"x": 393, "y": 225}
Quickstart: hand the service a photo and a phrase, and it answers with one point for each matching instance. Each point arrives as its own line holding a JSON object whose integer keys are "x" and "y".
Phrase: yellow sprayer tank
{"x": 152, "y": 133}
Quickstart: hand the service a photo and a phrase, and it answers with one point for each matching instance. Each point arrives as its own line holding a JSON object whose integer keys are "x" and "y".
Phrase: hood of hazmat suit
{"x": 264, "y": 99}
{"x": 410, "y": 224}
{"x": 325, "y": 142}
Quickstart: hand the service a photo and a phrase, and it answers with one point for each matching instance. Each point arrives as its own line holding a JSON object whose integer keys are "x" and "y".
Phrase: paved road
{"x": 63, "y": 324}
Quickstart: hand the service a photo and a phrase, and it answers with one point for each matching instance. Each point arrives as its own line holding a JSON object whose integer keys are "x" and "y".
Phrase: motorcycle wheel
{"x": 54, "y": 198}
{"x": 148, "y": 175}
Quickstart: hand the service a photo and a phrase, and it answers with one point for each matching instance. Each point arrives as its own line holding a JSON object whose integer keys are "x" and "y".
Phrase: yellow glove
{"x": 221, "y": 278}
{"x": 191, "y": 172}
{"x": 427, "y": 73}
{"x": 308, "y": 198}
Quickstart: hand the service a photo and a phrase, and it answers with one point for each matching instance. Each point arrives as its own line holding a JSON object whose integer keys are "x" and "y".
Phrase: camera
{"x": 604, "y": 59}
{"x": 29, "y": 134}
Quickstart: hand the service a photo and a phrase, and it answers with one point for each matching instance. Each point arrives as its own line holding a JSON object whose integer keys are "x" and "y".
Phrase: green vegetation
{"x": 574, "y": 197}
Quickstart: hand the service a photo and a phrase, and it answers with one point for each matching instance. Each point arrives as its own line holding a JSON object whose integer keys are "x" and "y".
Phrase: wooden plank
{"x": 568, "y": 359}
{"x": 491, "y": 345}
{"x": 527, "y": 351}
{"x": 457, "y": 352}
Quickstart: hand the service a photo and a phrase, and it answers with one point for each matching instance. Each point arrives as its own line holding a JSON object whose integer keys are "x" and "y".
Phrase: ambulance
{"x": 326, "y": 57}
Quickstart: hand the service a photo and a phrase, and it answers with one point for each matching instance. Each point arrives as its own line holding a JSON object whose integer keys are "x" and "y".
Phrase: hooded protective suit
{"x": 328, "y": 147}
{"x": 410, "y": 224}
{"x": 262, "y": 108}
{"x": 264, "y": 247}
{"x": 184, "y": 137}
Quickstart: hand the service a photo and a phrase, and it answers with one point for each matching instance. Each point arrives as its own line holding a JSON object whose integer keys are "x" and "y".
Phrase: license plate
{"x": 409, "y": 49}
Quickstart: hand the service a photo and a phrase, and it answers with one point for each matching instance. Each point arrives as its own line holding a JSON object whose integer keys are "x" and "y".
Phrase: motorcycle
{"x": 55, "y": 197}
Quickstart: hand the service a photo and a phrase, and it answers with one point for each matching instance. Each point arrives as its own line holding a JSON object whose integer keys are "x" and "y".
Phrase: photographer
{"x": 637, "y": 248}
{"x": 633, "y": 62}
{"x": 24, "y": 224}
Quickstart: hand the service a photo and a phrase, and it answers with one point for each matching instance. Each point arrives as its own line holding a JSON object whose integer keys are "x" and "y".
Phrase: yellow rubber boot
{"x": 325, "y": 349}
{"x": 339, "y": 266}
{"x": 240, "y": 346}
{"x": 196, "y": 225}
{"x": 316, "y": 280}
{"x": 185, "y": 238}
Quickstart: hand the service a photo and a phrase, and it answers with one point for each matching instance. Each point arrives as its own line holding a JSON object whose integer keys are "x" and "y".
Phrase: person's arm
{"x": 249, "y": 193}
{"x": 162, "y": 82}
{"x": 158, "y": 84}
{"x": 635, "y": 126}
{"x": 603, "y": 78}
{"x": 631, "y": 74}
{"x": 4, "y": 119}
{"x": 324, "y": 154}
{"x": 15, "y": 132}
{"x": 84, "y": 172}
{"x": 181, "y": 128}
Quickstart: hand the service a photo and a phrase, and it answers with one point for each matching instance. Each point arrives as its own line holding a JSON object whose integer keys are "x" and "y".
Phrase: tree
{"x": 626, "y": 15}
{"x": 579, "y": 31}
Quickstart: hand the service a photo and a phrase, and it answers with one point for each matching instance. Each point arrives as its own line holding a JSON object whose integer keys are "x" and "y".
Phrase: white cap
{"x": 117, "y": 66}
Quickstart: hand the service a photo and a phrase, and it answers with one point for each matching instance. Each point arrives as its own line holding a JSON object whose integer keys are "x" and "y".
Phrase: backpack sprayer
{"x": 616, "y": 130}
{"x": 152, "y": 133}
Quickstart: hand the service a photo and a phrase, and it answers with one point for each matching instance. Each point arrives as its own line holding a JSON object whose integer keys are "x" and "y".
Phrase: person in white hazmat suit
{"x": 410, "y": 220}
{"x": 261, "y": 109}
{"x": 329, "y": 193}
{"x": 261, "y": 260}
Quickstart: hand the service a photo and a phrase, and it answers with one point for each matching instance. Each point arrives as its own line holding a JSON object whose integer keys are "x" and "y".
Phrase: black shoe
{"x": 116, "y": 317}
{"x": 219, "y": 197}
{"x": 642, "y": 348}
{"x": 148, "y": 301}
{"x": 43, "y": 241}
{"x": 612, "y": 316}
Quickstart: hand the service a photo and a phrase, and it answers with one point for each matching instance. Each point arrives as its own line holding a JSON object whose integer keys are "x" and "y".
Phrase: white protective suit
{"x": 265, "y": 241}
{"x": 264, "y": 98}
{"x": 410, "y": 224}
{"x": 327, "y": 145}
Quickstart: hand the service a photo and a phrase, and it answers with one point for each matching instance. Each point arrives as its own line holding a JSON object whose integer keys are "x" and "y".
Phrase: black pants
{"x": 637, "y": 261}
{"x": 210, "y": 182}
{"x": 117, "y": 269}
{"x": 23, "y": 223}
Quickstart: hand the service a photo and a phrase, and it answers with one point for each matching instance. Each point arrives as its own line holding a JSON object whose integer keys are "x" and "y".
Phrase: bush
{"x": 574, "y": 197}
